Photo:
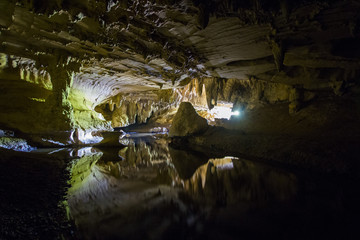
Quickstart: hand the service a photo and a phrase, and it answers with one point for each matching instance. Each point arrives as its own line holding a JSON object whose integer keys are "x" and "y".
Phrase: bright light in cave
{"x": 235, "y": 113}
{"x": 223, "y": 112}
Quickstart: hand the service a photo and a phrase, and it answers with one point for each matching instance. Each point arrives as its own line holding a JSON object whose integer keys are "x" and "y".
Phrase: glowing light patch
{"x": 235, "y": 113}
{"x": 223, "y": 112}
{"x": 55, "y": 151}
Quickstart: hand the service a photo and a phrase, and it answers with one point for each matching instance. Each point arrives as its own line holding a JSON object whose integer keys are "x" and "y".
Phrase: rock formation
{"x": 287, "y": 66}
{"x": 187, "y": 122}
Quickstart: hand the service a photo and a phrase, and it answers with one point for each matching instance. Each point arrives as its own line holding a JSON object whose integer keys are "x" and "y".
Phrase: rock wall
{"x": 34, "y": 98}
{"x": 62, "y": 60}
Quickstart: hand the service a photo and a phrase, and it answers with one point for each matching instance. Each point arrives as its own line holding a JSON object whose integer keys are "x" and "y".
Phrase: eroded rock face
{"x": 136, "y": 108}
{"x": 69, "y": 58}
{"x": 187, "y": 122}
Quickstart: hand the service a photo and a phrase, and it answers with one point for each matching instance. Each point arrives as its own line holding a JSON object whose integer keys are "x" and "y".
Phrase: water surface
{"x": 149, "y": 190}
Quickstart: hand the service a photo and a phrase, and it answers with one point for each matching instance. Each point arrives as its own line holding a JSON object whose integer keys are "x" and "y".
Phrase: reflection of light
{"x": 86, "y": 151}
{"x": 52, "y": 141}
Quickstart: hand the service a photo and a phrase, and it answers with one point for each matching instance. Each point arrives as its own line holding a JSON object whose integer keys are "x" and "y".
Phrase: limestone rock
{"x": 187, "y": 122}
{"x": 61, "y": 61}
{"x": 16, "y": 144}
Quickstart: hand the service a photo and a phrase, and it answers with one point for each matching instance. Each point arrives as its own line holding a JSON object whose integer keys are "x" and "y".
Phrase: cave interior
{"x": 179, "y": 119}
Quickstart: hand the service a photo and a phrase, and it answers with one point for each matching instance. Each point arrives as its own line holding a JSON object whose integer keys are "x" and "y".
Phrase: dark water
{"x": 151, "y": 191}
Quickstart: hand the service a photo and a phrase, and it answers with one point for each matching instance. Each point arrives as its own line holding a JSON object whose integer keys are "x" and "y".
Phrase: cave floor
{"x": 149, "y": 190}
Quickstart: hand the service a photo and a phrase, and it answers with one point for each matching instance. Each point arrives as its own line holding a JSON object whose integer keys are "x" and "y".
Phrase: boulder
{"x": 187, "y": 122}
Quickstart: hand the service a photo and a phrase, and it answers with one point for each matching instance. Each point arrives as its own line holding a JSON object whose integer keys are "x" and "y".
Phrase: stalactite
{"x": 212, "y": 87}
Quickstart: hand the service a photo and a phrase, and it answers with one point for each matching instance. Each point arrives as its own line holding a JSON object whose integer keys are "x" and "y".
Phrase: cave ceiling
{"x": 111, "y": 47}
{"x": 130, "y": 46}
{"x": 102, "y": 48}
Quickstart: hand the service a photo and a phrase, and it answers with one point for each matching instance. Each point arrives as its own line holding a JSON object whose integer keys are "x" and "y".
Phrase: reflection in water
{"x": 230, "y": 180}
{"x": 150, "y": 192}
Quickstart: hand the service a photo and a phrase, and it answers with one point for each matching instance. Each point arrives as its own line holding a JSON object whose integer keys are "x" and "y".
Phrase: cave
{"x": 179, "y": 119}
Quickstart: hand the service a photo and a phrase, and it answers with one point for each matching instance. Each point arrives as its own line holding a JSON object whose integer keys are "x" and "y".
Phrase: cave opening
{"x": 180, "y": 119}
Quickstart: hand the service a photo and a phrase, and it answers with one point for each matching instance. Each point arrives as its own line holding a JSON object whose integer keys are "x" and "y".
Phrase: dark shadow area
{"x": 347, "y": 47}
{"x": 32, "y": 190}
{"x": 186, "y": 161}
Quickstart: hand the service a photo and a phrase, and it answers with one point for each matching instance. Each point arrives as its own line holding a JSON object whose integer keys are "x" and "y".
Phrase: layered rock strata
{"x": 65, "y": 65}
